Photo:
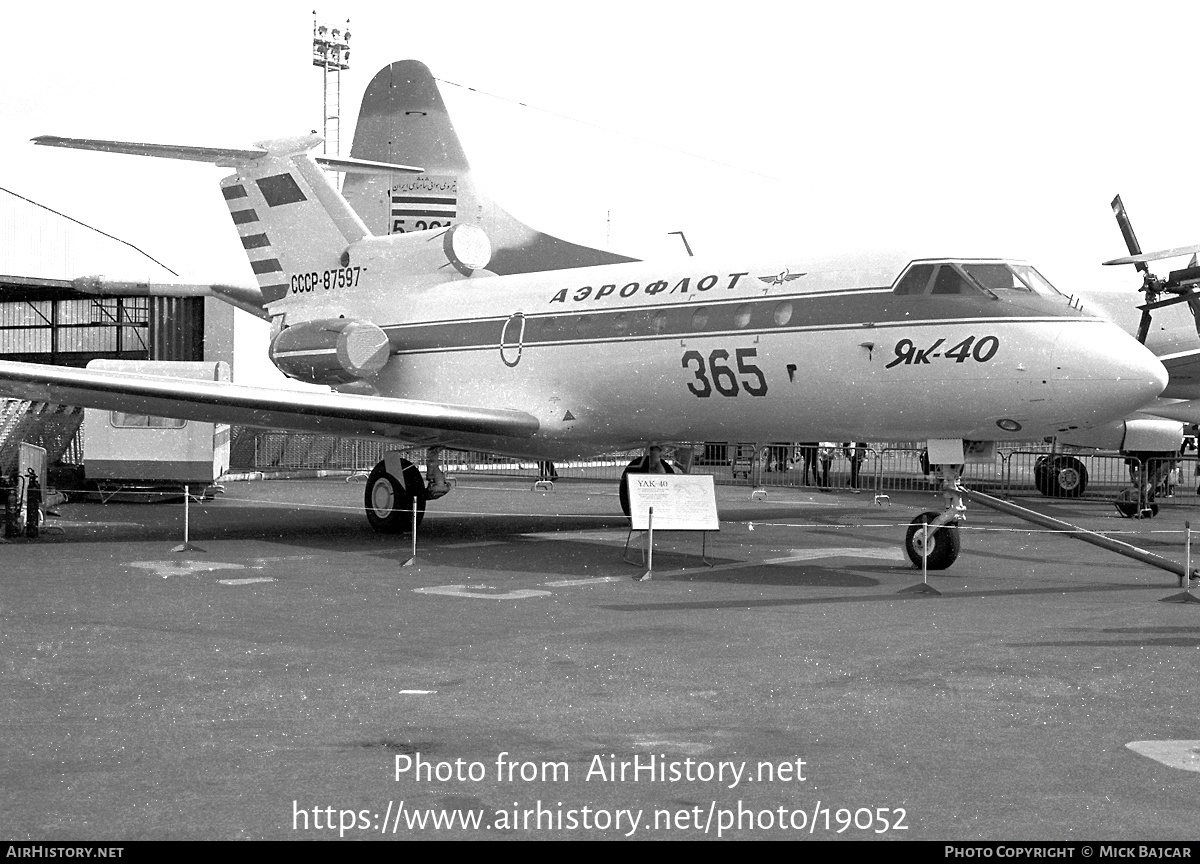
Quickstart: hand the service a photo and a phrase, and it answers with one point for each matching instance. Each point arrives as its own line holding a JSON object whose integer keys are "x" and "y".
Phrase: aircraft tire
{"x": 1127, "y": 506}
{"x": 944, "y": 547}
{"x": 387, "y": 503}
{"x": 1060, "y": 477}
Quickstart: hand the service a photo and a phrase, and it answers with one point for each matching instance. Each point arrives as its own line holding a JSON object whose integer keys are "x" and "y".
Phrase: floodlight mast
{"x": 331, "y": 53}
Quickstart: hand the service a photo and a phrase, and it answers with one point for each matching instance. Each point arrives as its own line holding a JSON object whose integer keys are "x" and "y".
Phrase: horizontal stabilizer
{"x": 219, "y": 155}
{"x": 246, "y": 297}
{"x": 297, "y": 410}
{"x": 364, "y": 166}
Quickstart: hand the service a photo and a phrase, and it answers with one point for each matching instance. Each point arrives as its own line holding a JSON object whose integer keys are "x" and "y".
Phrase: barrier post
{"x": 187, "y": 546}
{"x": 923, "y": 587}
{"x": 412, "y": 558}
{"x": 879, "y": 496}
{"x": 1006, "y": 472}
{"x": 1185, "y": 578}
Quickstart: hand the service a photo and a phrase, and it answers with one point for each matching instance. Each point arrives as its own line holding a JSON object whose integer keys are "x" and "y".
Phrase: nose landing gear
{"x": 932, "y": 539}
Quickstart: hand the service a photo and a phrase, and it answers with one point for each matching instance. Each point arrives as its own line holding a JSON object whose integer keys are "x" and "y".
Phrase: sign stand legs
{"x": 649, "y": 549}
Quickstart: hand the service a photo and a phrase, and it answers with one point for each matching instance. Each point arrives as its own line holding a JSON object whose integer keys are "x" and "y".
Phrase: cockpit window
{"x": 992, "y": 278}
{"x": 950, "y": 281}
{"x": 935, "y": 279}
{"x": 916, "y": 280}
{"x": 1037, "y": 283}
{"x": 997, "y": 278}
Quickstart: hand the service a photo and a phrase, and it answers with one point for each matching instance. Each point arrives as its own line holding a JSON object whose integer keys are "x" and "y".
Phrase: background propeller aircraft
{"x": 440, "y": 320}
{"x": 1154, "y": 435}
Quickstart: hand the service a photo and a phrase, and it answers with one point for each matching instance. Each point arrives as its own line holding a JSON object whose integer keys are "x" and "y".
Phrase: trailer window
{"x": 123, "y": 420}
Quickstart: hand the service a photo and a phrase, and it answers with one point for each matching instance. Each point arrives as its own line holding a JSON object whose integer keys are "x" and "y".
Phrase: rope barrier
{"x": 757, "y": 524}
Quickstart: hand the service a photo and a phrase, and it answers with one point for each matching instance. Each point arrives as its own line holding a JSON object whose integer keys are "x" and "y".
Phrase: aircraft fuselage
{"x": 617, "y": 355}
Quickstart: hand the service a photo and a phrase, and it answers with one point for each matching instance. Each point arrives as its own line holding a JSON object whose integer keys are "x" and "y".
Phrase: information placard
{"x": 681, "y": 502}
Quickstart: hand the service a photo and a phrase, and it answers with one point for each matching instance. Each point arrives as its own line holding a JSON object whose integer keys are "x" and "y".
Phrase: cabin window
{"x": 783, "y": 313}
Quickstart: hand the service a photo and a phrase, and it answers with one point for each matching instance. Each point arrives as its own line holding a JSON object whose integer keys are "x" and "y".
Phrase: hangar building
{"x": 47, "y": 315}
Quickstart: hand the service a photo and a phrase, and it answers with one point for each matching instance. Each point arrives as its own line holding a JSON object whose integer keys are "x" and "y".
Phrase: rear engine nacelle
{"x": 444, "y": 253}
{"x": 333, "y": 351}
{"x": 1139, "y": 435}
{"x": 1152, "y": 435}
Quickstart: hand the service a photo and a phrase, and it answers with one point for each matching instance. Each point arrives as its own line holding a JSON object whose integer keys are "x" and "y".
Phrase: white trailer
{"x": 127, "y": 449}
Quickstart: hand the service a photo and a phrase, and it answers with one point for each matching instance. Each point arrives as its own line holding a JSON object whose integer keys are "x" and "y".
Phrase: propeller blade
{"x": 1144, "y": 325}
{"x": 1141, "y": 258}
{"x": 1131, "y": 242}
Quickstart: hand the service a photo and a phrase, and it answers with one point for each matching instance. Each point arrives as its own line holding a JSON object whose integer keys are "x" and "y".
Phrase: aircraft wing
{"x": 425, "y": 423}
{"x": 1184, "y": 369}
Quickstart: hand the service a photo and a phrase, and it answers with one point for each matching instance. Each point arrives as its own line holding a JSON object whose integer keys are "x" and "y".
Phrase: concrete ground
{"x": 293, "y": 680}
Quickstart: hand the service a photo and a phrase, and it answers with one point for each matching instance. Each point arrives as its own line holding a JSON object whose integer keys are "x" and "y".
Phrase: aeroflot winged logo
{"x": 780, "y": 278}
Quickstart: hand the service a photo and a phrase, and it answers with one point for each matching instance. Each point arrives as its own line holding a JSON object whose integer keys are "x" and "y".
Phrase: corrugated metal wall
{"x": 176, "y": 328}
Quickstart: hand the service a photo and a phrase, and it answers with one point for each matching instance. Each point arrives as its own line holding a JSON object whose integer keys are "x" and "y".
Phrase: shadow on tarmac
{"x": 870, "y": 598}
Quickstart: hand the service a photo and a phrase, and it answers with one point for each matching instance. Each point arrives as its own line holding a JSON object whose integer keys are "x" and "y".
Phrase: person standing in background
{"x": 808, "y": 455}
{"x": 825, "y": 453}
{"x": 855, "y": 452}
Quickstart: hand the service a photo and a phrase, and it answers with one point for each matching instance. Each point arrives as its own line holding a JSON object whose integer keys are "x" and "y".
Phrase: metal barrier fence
{"x": 884, "y": 468}
{"x": 296, "y": 451}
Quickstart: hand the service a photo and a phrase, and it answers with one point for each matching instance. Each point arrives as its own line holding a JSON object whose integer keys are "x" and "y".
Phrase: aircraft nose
{"x": 1103, "y": 361}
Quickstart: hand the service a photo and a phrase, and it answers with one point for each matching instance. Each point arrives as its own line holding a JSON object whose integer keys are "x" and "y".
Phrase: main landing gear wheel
{"x": 943, "y": 542}
{"x": 1127, "y": 505}
{"x": 389, "y": 503}
{"x": 1060, "y": 476}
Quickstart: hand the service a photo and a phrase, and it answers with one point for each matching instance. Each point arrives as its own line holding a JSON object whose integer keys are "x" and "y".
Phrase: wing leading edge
{"x": 347, "y": 414}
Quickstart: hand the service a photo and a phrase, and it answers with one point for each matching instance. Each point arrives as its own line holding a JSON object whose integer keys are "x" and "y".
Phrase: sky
{"x": 940, "y": 128}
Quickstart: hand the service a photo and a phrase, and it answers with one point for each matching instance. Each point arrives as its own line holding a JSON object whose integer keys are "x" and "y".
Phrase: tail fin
{"x": 403, "y": 119}
{"x": 289, "y": 216}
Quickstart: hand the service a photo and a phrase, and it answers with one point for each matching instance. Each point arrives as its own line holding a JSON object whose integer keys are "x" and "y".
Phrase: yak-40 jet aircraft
{"x": 439, "y": 320}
